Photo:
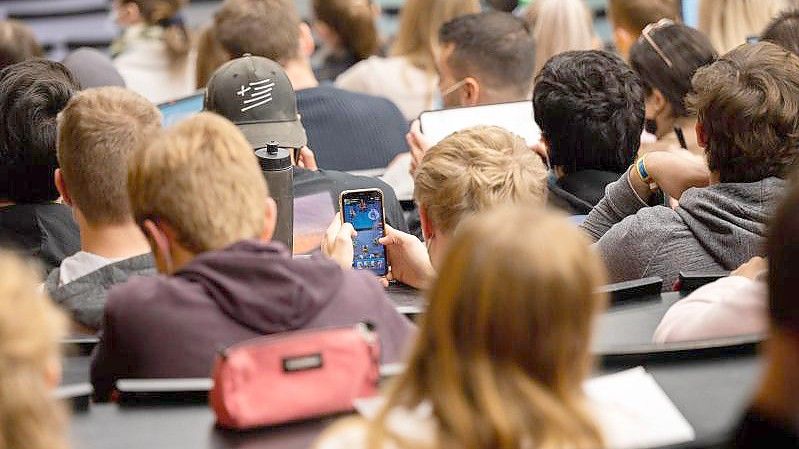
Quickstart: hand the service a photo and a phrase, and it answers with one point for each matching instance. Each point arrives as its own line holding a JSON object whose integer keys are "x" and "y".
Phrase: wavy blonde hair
{"x": 420, "y": 20}
{"x": 559, "y": 26}
{"x": 475, "y": 169}
{"x": 30, "y": 329}
{"x": 729, "y": 22}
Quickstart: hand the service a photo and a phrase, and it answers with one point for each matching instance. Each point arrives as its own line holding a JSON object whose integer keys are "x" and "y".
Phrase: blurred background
{"x": 63, "y": 25}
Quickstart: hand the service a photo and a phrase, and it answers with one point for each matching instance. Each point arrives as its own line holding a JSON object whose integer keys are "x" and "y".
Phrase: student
{"x": 559, "y": 26}
{"x": 630, "y": 17}
{"x": 200, "y": 197}
{"x": 729, "y": 23}
{"x": 784, "y": 30}
{"x": 348, "y": 31}
{"x": 771, "y": 419}
{"x": 280, "y": 122}
{"x": 590, "y": 108}
{"x": 747, "y": 103}
{"x": 347, "y": 131}
{"x": 30, "y": 365}
{"x": 152, "y": 55}
{"x": 408, "y": 76}
{"x": 504, "y": 347}
{"x": 666, "y": 57}
{"x": 97, "y": 132}
{"x": 31, "y": 95}
{"x": 17, "y": 43}
{"x": 463, "y": 175}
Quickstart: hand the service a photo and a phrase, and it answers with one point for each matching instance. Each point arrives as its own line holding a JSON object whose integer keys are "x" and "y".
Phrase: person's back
{"x": 346, "y": 131}
{"x": 97, "y": 132}
{"x": 750, "y": 145}
{"x": 200, "y": 196}
{"x": 31, "y": 95}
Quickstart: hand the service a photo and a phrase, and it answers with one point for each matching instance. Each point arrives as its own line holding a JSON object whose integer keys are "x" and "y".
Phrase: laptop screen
{"x": 176, "y": 110}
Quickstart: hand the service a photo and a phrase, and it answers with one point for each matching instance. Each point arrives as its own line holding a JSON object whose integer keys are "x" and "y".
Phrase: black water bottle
{"x": 279, "y": 173}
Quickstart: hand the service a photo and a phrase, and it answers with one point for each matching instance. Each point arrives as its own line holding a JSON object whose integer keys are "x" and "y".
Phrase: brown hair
{"x": 420, "y": 21}
{"x": 476, "y": 169}
{"x": 17, "y": 43}
{"x": 210, "y": 55}
{"x": 97, "y": 132}
{"x": 748, "y": 104}
{"x": 504, "y": 346}
{"x": 354, "y": 23}
{"x": 783, "y": 257}
{"x": 267, "y": 28}
{"x": 784, "y": 30}
{"x": 162, "y": 13}
{"x": 202, "y": 178}
{"x": 30, "y": 329}
{"x": 635, "y": 15}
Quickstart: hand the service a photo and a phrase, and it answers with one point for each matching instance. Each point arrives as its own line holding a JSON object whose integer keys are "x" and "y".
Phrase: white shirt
{"x": 80, "y": 264}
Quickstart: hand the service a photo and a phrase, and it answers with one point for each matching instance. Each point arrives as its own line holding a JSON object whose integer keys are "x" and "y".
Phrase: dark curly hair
{"x": 748, "y": 104}
{"x": 32, "y": 93}
{"x": 590, "y": 108}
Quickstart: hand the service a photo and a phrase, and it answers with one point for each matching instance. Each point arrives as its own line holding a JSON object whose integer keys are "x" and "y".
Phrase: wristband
{"x": 640, "y": 166}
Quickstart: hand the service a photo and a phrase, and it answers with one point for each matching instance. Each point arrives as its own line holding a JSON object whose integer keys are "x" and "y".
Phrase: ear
{"x": 428, "y": 231}
{"x": 160, "y": 244}
{"x": 659, "y": 100}
{"x": 470, "y": 92}
{"x": 306, "y": 41}
{"x": 701, "y": 135}
{"x": 270, "y": 220}
{"x": 61, "y": 186}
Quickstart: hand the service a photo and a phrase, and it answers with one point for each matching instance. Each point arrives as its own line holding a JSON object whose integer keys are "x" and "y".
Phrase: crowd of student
{"x": 678, "y": 151}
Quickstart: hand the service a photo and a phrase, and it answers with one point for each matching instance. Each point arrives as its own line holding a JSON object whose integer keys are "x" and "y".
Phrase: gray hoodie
{"x": 716, "y": 228}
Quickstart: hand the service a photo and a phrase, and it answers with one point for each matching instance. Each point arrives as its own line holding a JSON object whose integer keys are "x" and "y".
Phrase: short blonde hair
{"x": 97, "y": 132}
{"x": 203, "y": 179}
{"x": 30, "y": 330}
{"x": 476, "y": 169}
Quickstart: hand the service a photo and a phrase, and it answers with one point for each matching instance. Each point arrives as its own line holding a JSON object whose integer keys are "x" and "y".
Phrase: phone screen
{"x": 364, "y": 211}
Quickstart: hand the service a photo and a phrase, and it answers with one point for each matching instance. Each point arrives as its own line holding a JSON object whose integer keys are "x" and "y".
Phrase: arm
{"x": 104, "y": 365}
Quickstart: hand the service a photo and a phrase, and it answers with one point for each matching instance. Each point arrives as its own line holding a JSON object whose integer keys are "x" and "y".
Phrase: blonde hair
{"x": 97, "y": 132}
{"x": 476, "y": 169}
{"x": 30, "y": 330}
{"x": 202, "y": 178}
{"x": 504, "y": 346}
{"x": 559, "y": 26}
{"x": 420, "y": 21}
{"x": 729, "y": 22}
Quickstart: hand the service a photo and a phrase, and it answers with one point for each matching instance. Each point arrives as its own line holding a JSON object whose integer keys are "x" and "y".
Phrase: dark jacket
{"x": 45, "y": 231}
{"x": 757, "y": 430}
{"x": 171, "y": 327}
{"x": 84, "y": 298}
{"x": 715, "y": 229}
{"x": 578, "y": 193}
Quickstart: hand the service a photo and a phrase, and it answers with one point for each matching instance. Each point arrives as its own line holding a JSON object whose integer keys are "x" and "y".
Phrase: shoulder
{"x": 137, "y": 293}
{"x": 645, "y": 226}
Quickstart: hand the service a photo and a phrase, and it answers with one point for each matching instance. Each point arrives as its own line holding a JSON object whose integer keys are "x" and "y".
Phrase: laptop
{"x": 177, "y": 110}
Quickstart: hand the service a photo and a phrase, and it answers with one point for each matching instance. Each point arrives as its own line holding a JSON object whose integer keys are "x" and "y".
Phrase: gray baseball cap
{"x": 255, "y": 94}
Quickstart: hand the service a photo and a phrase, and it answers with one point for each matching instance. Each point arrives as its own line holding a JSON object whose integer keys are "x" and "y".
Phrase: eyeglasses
{"x": 453, "y": 88}
{"x": 646, "y": 35}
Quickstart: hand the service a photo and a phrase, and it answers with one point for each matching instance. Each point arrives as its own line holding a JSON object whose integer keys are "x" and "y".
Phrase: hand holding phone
{"x": 364, "y": 210}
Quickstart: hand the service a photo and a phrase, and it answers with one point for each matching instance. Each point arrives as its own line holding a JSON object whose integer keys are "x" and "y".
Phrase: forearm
{"x": 621, "y": 200}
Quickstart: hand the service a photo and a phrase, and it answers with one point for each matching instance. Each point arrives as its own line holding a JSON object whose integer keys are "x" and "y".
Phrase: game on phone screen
{"x": 364, "y": 210}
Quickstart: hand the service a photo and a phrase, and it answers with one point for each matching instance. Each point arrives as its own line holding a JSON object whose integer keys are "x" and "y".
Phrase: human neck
{"x": 118, "y": 241}
{"x": 778, "y": 396}
{"x": 300, "y": 74}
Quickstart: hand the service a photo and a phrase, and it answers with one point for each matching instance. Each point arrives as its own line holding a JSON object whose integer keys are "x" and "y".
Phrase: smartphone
{"x": 364, "y": 210}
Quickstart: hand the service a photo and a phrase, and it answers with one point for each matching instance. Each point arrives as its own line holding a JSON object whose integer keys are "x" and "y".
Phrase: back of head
{"x": 32, "y": 93}
{"x": 505, "y": 342}
{"x": 30, "y": 329}
{"x": 748, "y": 104}
{"x": 590, "y": 108}
{"x": 784, "y": 31}
{"x": 474, "y": 170}
{"x": 559, "y": 26}
{"x": 495, "y": 47}
{"x": 685, "y": 50}
{"x": 267, "y": 28}
{"x": 98, "y": 131}
{"x": 17, "y": 43}
{"x": 353, "y": 22}
{"x": 420, "y": 21}
{"x": 634, "y": 15}
{"x": 93, "y": 68}
{"x": 203, "y": 179}
{"x": 728, "y": 23}
{"x": 783, "y": 257}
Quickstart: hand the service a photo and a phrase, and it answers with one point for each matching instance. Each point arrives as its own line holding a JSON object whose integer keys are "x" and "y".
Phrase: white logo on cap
{"x": 257, "y": 93}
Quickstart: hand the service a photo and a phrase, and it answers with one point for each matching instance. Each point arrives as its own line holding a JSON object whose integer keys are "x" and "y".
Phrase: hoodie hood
{"x": 731, "y": 215}
{"x": 262, "y": 287}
